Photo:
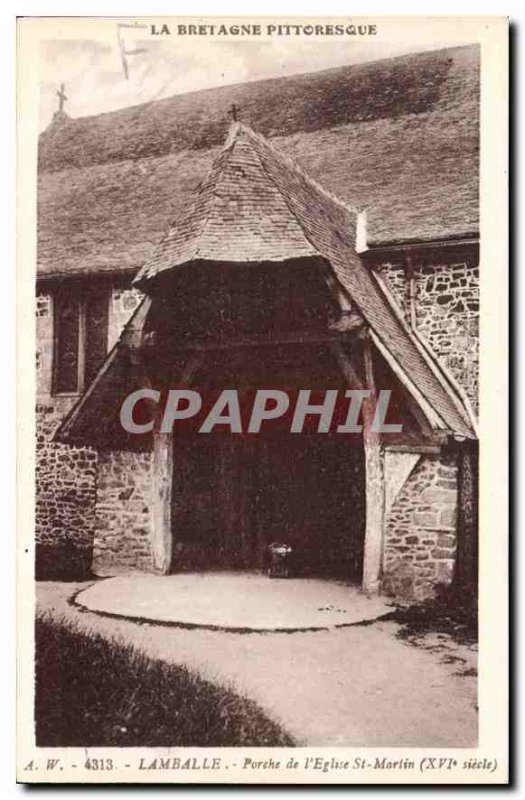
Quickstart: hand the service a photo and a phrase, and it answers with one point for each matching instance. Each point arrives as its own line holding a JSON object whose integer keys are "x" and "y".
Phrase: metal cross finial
{"x": 234, "y": 110}
{"x": 62, "y": 97}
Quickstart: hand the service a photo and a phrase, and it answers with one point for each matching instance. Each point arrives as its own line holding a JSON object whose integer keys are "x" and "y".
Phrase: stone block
{"x": 440, "y": 496}
{"x": 440, "y": 553}
{"x": 447, "y": 540}
{"x": 426, "y": 519}
{"x": 448, "y": 517}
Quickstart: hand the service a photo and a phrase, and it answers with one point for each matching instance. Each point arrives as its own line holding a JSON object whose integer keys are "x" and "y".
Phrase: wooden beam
{"x": 162, "y": 465}
{"x": 374, "y": 477}
{"x": 337, "y": 290}
{"x": 433, "y": 418}
{"x": 374, "y": 482}
{"x": 411, "y": 286}
{"x": 346, "y": 322}
{"x": 346, "y": 366}
{"x": 466, "y": 568}
{"x": 350, "y": 318}
{"x": 294, "y": 337}
{"x": 421, "y": 449}
{"x": 161, "y": 535}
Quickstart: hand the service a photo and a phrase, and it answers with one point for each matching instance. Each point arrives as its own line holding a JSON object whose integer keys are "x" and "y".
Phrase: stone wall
{"x": 123, "y": 512}
{"x": 65, "y": 500}
{"x": 66, "y": 477}
{"x": 447, "y": 314}
{"x": 123, "y": 515}
{"x": 44, "y": 344}
{"x": 395, "y": 277}
{"x": 420, "y": 530}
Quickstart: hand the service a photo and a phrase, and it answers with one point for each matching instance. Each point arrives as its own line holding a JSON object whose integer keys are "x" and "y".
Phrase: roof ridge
{"x": 337, "y": 68}
{"x": 209, "y": 205}
{"x": 232, "y": 138}
{"x": 298, "y": 169}
{"x": 281, "y": 194}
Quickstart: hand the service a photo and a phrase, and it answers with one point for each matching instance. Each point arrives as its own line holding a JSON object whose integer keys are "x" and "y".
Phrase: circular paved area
{"x": 239, "y": 602}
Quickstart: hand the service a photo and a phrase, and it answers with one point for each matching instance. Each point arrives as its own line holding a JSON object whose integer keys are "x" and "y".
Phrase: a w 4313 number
{"x": 99, "y": 763}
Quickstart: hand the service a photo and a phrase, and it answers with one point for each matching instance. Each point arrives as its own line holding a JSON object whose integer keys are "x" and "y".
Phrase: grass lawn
{"x": 93, "y": 692}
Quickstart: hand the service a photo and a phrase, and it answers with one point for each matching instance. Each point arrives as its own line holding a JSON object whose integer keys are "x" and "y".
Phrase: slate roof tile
{"x": 305, "y": 220}
{"x": 399, "y": 137}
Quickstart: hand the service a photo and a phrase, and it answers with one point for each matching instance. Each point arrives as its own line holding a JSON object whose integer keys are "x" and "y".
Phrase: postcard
{"x": 262, "y": 337}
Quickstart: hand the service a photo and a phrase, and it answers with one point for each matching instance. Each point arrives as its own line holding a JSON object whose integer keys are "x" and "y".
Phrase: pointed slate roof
{"x": 331, "y": 228}
{"x": 239, "y": 215}
{"x": 257, "y": 205}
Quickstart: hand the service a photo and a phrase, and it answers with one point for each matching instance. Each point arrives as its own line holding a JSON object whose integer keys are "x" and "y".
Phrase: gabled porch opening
{"x": 232, "y": 496}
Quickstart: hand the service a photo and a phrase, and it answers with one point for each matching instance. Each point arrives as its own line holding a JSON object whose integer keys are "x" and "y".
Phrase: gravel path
{"x": 357, "y": 686}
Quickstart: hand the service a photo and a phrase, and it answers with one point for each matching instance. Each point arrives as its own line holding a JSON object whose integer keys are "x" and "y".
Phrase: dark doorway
{"x": 235, "y": 495}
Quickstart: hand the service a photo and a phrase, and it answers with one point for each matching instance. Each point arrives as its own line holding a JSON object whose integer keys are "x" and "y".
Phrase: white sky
{"x": 94, "y": 79}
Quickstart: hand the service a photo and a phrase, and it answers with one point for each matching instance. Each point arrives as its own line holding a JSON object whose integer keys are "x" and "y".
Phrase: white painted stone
{"x": 398, "y": 468}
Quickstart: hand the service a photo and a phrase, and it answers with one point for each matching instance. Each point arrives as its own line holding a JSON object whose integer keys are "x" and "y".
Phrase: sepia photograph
{"x": 257, "y": 369}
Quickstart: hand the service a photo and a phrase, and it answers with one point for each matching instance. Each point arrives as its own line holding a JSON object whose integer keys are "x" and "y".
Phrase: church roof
{"x": 397, "y": 137}
{"x": 239, "y": 215}
{"x": 262, "y": 205}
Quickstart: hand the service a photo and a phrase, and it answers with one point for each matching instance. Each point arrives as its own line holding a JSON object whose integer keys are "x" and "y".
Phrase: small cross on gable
{"x": 233, "y": 112}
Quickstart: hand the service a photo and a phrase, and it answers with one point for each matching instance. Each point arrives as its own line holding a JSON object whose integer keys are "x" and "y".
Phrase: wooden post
{"x": 162, "y": 534}
{"x": 161, "y": 537}
{"x": 466, "y": 569}
{"x": 374, "y": 481}
{"x": 411, "y": 288}
{"x": 374, "y": 471}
